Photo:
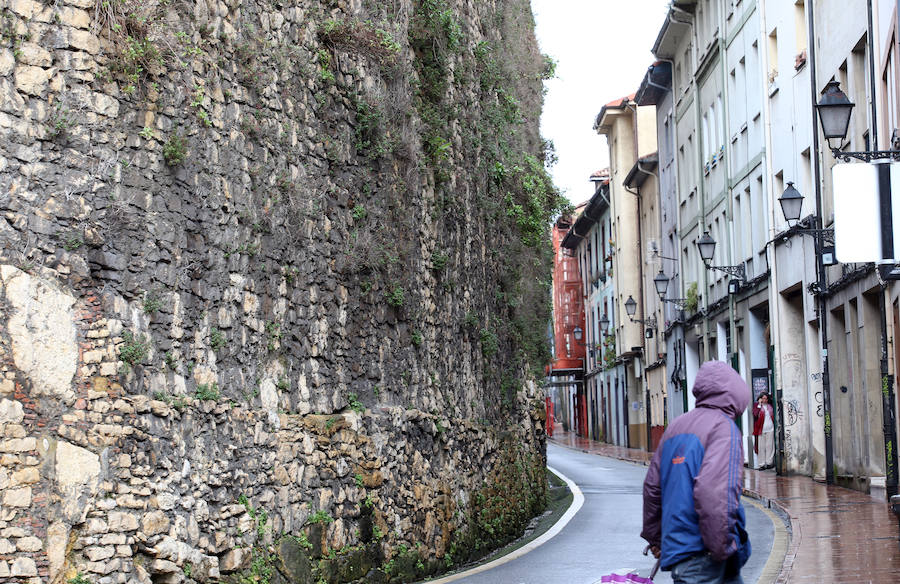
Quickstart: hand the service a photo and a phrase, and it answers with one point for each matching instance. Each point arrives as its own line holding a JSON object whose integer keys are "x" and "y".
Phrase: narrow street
{"x": 604, "y": 535}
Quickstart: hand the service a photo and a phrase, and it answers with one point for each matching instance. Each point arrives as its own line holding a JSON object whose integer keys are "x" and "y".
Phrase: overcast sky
{"x": 602, "y": 48}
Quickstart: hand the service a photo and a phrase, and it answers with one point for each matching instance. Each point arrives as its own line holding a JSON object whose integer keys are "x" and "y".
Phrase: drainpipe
{"x": 640, "y": 242}
{"x": 887, "y": 380}
{"x": 637, "y": 195}
{"x": 651, "y": 174}
{"x": 677, "y": 252}
{"x": 698, "y": 148}
{"x": 774, "y": 296}
{"x": 729, "y": 206}
{"x": 820, "y": 242}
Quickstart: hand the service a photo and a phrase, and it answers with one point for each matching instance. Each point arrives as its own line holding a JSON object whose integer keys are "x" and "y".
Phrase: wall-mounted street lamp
{"x": 834, "y": 109}
{"x": 578, "y": 333}
{"x": 661, "y": 282}
{"x": 707, "y": 247}
{"x": 604, "y": 324}
{"x": 649, "y": 322}
{"x": 791, "y": 207}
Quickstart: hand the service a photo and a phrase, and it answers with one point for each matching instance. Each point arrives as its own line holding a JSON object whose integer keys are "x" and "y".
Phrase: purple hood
{"x": 719, "y": 386}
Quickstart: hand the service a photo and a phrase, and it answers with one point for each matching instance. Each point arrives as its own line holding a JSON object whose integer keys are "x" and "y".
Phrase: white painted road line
{"x": 577, "y": 502}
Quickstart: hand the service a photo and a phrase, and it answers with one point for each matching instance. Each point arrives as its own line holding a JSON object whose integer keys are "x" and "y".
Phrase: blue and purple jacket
{"x": 692, "y": 492}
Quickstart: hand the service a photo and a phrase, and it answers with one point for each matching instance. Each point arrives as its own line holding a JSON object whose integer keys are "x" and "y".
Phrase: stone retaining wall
{"x": 270, "y": 290}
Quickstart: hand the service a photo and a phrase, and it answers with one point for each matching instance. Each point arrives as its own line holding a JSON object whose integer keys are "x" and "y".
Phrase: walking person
{"x": 693, "y": 517}
{"x": 764, "y": 432}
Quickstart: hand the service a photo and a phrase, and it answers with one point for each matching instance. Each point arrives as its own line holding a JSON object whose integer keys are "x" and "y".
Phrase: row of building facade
{"x": 723, "y": 125}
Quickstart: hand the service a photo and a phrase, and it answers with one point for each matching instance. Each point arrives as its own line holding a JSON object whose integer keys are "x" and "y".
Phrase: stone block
{"x": 106, "y": 105}
{"x": 57, "y": 540}
{"x": 23, "y": 568}
{"x": 84, "y": 40}
{"x": 6, "y": 547}
{"x": 31, "y": 80}
{"x": 75, "y": 17}
{"x": 154, "y": 523}
{"x": 95, "y": 525}
{"x": 7, "y": 62}
{"x": 163, "y": 567}
{"x": 109, "y": 369}
{"x": 17, "y": 497}
{"x": 29, "y": 544}
{"x": 97, "y": 554}
{"x": 77, "y": 474}
{"x": 32, "y": 54}
{"x": 26, "y": 476}
{"x": 121, "y": 521}
{"x": 234, "y": 560}
{"x": 25, "y": 8}
{"x": 15, "y": 431}
{"x": 10, "y": 100}
{"x": 4, "y": 569}
{"x": 41, "y": 326}
{"x": 113, "y": 539}
{"x": 11, "y": 412}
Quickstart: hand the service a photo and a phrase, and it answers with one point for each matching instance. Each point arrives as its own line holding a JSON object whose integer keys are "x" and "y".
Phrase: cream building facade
{"x": 630, "y": 131}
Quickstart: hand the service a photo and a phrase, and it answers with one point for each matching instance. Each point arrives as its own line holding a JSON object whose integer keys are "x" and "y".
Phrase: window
{"x": 719, "y": 113}
{"x": 706, "y": 137}
{"x": 800, "y": 27}
{"x": 806, "y": 175}
{"x": 889, "y": 95}
{"x": 858, "y": 73}
{"x": 773, "y": 55}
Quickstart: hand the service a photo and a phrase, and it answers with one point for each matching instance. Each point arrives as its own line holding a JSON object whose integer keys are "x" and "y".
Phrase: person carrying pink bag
{"x": 693, "y": 517}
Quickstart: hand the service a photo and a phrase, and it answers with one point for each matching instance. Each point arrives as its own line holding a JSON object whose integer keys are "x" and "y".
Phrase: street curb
{"x": 577, "y": 502}
{"x": 793, "y": 538}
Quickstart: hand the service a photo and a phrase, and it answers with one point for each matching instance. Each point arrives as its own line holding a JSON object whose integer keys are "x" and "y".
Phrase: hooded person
{"x": 693, "y": 517}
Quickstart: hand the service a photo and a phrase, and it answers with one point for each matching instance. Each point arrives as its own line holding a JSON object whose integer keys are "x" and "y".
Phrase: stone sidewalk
{"x": 837, "y": 535}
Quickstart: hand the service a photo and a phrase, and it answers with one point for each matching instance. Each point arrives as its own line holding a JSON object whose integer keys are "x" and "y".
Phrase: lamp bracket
{"x": 649, "y": 322}
{"x": 680, "y": 303}
{"x": 656, "y": 254}
{"x": 867, "y": 156}
{"x": 826, "y": 234}
{"x": 738, "y": 271}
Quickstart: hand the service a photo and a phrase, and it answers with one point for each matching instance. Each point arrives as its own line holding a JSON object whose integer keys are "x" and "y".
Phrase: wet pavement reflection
{"x": 838, "y": 535}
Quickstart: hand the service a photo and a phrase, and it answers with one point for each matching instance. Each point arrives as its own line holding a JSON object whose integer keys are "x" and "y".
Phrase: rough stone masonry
{"x": 270, "y": 288}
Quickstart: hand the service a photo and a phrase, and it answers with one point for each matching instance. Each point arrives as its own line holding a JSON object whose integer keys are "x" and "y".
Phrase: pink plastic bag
{"x": 631, "y": 578}
{"x": 626, "y": 579}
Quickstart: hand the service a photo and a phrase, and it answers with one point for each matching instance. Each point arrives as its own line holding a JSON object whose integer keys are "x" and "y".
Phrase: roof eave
{"x": 638, "y": 173}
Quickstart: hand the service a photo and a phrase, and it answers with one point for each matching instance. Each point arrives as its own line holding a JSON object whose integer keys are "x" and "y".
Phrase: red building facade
{"x": 566, "y": 372}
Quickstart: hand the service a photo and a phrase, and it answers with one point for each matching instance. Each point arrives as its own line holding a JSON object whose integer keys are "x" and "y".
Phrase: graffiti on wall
{"x": 792, "y": 413}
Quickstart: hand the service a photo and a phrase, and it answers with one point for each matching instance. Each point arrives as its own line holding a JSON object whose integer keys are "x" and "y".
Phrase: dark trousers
{"x": 702, "y": 569}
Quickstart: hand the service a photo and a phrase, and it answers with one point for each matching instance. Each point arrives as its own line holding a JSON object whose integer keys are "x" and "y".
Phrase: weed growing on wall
{"x": 361, "y": 37}
{"x": 134, "y": 349}
{"x": 175, "y": 149}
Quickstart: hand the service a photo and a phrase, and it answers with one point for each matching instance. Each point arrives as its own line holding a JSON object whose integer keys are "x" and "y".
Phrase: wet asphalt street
{"x": 604, "y": 535}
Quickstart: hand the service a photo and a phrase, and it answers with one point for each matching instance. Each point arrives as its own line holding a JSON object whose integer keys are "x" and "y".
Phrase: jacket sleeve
{"x": 717, "y": 489}
{"x": 652, "y": 529}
